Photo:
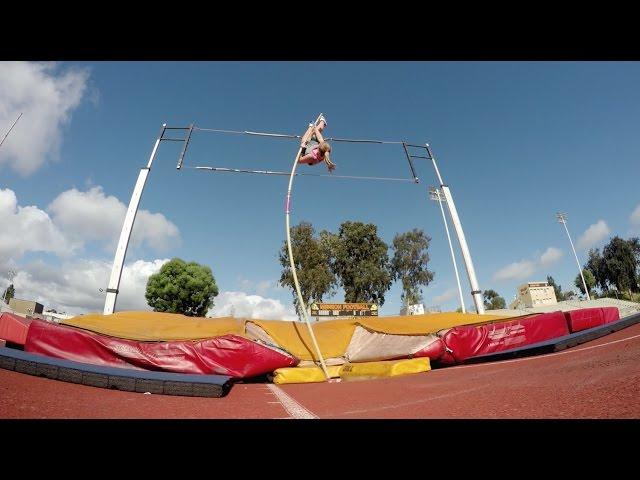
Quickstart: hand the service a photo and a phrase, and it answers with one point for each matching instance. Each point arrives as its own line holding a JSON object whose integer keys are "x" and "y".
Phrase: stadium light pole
{"x": 435, "y": 194}
{"x": 562, "y": 218}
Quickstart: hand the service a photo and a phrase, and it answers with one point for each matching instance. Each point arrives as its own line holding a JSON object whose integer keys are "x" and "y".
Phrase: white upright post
{"x": 562, "y": 218}
{"x": 125, "y": 234}
{"x": 466, "y": 255}
{"x": 453, "y": 257}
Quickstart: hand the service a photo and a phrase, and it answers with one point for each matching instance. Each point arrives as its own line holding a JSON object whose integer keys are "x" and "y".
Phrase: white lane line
{"x": 293, "y": 408}
{"x": 538, "y": 357}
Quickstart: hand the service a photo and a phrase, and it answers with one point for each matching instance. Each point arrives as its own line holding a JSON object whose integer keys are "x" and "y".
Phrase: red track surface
{"x": 599, "y": 379}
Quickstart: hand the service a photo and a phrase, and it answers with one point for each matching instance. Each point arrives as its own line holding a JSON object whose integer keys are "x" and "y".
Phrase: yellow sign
{"x": 343, "y": 309}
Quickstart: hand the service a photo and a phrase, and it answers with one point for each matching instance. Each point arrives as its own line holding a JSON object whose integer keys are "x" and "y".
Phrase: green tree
{"x": 620, "y": 264}
{"x": 589, "y": 279}
{"x": 181, "y": 287}
{"x": 312, "y": 259}
{"x": 596, "y": 265}
{"x": 492, "y": 300}
{"x": 409, "y": 264}
{"x": 361, "y": 263}
{"x": 634, "y": 243}
{"x": 9, "y": 293}
{"x": 556, "y": 288}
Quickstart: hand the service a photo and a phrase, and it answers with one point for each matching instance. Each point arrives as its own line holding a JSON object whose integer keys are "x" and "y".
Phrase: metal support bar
{"x": 282, "y": 135}
{"x": 184, "y": 148}
{"x": 413, "y": 172}
{"x": 420, "y": 156}
{"x": 271, "y": 172}
{"x": 416, "y": 146}
{"x": 353, "y": 140}
{"x": 434, "y": 164}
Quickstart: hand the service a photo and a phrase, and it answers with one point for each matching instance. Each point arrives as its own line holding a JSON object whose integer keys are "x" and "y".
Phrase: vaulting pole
{"x": 301, "y": 305}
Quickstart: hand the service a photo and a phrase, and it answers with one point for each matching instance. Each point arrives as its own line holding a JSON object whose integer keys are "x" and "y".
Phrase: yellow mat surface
{"x": 304, "y": 374}
{"x": 333, "y": 336}
{"x": 388, "y": 368}
{"x": 156, "y": 326}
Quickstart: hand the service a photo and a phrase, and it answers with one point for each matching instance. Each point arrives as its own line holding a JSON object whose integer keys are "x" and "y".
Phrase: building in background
{"x": 26, "y": 307}
{"x": 55, "y": 317}
{"x": 417, "y": 309}
{"x": 534, "y": 294}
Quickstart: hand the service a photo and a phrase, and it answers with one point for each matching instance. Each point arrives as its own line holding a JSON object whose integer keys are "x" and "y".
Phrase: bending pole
{"x": 301, "y": 304}
{"x": 125, "y": 234}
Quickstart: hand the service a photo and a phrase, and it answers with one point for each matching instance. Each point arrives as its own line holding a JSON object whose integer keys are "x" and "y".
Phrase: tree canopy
{"x": 9, "y": 293}
{"x": 492, "y": 300}
{"x": 409, "y": 264}
{"x": 589, "y": 279}
{"x": 357, "y": 260}
{"x": 312, "y": 259}
{"x": 181, "y": 287}
{"x": 361, "y": 262}
{"x": 618, "y": 266}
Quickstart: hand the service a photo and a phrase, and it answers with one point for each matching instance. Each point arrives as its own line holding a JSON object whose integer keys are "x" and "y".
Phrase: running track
{"x": 599, "y": 379}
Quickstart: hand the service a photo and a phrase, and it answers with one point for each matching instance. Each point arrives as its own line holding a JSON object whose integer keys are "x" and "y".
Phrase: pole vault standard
{"x": 129, "y": 219}
{"x": 466, "y": 255}
{"x": 436, "y": 195}
{"x": 116, "y": 273}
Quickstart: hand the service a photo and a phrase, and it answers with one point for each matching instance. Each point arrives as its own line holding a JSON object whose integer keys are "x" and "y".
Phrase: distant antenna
{"x": 7, "y": 134}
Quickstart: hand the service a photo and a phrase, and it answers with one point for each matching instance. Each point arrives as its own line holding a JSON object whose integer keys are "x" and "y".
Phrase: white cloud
{"x": 239, "y": 304}
{"x": 445, "y": 296}
{"x": 28, "y": 229}
{"x": 260, "y": 288}
{"x": 635, "y": 216}
{"x": 264, "y": 286}
{"x": 47, "y": 98}
{"x": 516, "y": 271}
{"x": 525, "y": 268}
{"x": 77, "y": 217}
{"x": 74, "y": 286}
{"x": 550, "y": 256}
{"x": 594, "y": 234}
{"x": 92, "y": 215}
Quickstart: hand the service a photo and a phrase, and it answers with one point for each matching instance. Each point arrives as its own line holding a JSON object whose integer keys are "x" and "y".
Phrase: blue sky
{"x": 515, "y": 141}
